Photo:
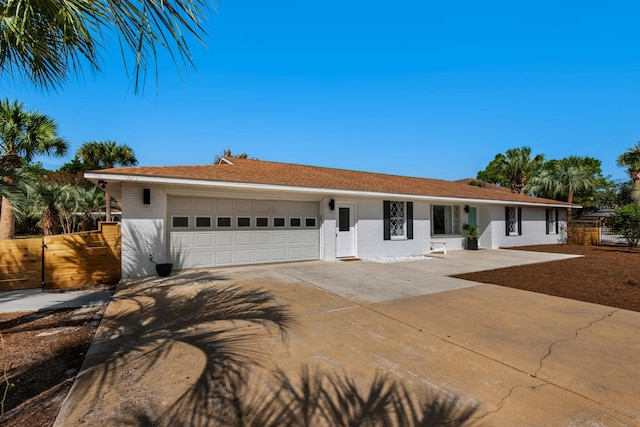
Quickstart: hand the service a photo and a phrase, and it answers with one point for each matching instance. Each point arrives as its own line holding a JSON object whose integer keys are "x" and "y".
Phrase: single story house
{"x": 242, "y": 211}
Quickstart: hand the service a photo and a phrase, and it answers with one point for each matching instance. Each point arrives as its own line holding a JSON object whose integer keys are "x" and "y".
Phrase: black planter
{"x": 472, "y": 243}
{"x": 164, "y": 269}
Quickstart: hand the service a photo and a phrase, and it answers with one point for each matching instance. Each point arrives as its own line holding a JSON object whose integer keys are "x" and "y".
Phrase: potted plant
{"x": 470, "y": 232}
{"x": 162, "y": 268}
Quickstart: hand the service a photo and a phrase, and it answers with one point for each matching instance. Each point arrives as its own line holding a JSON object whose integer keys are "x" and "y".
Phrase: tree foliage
{"x": 512, "y": 168}
{"x": 23, "y": 135}
{"x": 626, "y": 221}
{"x": 106, "y": 155}
{"x": 227, "y": 153}
{"x": 630, "y": 159}
{"x": 46, "y": 42}
{"x": 572, "y": 179}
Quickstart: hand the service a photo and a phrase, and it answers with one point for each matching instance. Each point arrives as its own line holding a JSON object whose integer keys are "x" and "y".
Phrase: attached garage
{"x": 213, "y": 232}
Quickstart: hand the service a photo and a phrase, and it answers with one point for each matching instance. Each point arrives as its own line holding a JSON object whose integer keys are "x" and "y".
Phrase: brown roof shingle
{"x": 292, "y": 175}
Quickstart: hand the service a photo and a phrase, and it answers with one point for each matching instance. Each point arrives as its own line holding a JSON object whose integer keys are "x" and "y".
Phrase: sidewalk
{"x": 36, "y": 300}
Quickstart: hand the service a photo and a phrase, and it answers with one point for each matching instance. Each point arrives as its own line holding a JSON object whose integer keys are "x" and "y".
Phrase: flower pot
{"x": 472, "y": 244}
{"x": 164, "y": 269}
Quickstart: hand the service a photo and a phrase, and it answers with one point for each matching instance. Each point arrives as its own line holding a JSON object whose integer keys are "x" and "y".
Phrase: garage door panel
{"x": 278, "y": 254}
{"x": 224, "y": 239}
{"x": 202, "y": 259}
{"x": 224, "y": 258}
{"x": 262, "y": 238}
{"x": 211, "y": 246}
{"x": 279, "y": 238}
{"x": 243, "y": 238}
{"x": 262, "y": 255}
{"x": 311, "y": 237}
{"x": 202, "y": 240}
{"x": 295, "y": 237}
{"x": 295, "y": 254}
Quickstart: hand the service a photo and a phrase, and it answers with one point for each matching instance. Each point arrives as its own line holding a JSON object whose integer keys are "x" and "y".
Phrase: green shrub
{"x": 626, "y": 221}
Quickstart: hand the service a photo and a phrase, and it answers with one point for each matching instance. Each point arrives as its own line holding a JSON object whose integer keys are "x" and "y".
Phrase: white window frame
{"x": 243, "y": 227}
{"x": 262, "y": 226}
{"x": 398, "y": 224}
{"x": 315, "y": 222}
{"x": 452, "y": 218}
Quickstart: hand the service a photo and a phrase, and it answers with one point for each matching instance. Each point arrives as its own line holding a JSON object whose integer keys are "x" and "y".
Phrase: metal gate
{"x": 608, "y": 237}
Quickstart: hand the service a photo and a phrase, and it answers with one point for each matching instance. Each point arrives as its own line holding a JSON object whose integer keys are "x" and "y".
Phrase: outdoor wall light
{"x": 466, "y": 208}
{"x": 146, "y": 196}
{"x": 102, "y": 183}
{"x": 332, "y": 204}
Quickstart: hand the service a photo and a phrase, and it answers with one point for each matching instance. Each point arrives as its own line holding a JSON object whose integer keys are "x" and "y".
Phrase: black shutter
{"x": 386, "y": 216}
{"x": 557, "y": 220}
{"x": 506, "y": 220}
{"x": 548, "y": 212}
{"x": 409, "y": 220}
{"x": 520, "y": 221}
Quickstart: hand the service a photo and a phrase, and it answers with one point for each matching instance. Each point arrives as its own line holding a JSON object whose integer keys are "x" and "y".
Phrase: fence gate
{"x": 62, "y": 261}
{"x": 608, "y": 237}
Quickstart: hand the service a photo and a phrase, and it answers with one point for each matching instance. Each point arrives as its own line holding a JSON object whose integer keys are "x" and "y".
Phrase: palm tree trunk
{"x": 635, "y": 186}
{"x": 7, "y": 220}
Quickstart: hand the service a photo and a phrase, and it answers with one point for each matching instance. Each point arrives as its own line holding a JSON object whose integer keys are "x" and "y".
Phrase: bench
{"x": 439, "y": 246}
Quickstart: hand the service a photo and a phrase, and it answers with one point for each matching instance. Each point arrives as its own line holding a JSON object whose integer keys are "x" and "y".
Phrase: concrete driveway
{"x": 267, "y": 344}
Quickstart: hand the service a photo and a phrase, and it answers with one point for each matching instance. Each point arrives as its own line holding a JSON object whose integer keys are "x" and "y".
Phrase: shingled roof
{"x": 246, "y": 171}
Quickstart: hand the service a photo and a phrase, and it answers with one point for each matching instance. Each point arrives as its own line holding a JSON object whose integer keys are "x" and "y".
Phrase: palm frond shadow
{"x": 220, "y": 322}
{"x": 325, "y": 398}
{"x": 223, "y": 322}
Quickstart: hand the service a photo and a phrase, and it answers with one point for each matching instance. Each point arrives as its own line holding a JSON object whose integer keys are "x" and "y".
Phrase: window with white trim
{"x": 397, "y": 219}
{"x": 224, "y": 222}
{"x": 446, "y": 219}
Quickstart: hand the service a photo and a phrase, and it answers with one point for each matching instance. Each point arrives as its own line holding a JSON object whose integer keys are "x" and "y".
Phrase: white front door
{"x": 345, "y": 231}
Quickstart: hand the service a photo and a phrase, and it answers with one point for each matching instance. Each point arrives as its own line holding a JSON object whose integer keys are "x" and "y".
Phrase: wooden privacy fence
{"x": 62, "y": 261}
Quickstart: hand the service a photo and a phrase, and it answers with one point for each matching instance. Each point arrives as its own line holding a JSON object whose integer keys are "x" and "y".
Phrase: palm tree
{"x": 563, "y": 179}
{"x": 50, "y": 199}
{"x": 106, "y": 155}
{"x": 631, "y": 160}
{"x": 517, "y": 165}
{"x": 47, "y": 41}
{"x": 23, "y": 135}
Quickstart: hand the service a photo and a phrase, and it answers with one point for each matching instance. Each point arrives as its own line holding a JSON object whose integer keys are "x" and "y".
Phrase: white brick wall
{"x": 533, "y": 228}
{"x": 143, "y": 230}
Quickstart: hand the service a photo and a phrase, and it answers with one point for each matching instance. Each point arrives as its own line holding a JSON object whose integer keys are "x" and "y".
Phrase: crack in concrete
{"x": 504, "y": 400}
{"x": 575, "y": 335}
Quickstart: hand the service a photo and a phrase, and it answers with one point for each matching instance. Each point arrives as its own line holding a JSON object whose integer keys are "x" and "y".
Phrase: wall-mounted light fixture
{"x": 466, "y": 208}
{"x": 102, "y": 183}
{"x": 146, "y": 196}
{"x": 332, "y": 204}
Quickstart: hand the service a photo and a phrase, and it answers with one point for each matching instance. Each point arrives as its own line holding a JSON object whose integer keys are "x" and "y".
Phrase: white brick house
{"x": 250, "y": 211}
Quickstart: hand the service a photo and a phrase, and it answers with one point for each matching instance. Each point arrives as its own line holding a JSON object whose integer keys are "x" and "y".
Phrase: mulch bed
{"x": 607, "y": 275}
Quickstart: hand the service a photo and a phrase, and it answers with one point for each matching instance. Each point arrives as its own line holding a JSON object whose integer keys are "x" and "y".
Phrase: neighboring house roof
{"x": 246, "y": 173}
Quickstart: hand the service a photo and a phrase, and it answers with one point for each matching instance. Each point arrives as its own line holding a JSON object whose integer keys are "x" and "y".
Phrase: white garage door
{"x": 208, "y": 232}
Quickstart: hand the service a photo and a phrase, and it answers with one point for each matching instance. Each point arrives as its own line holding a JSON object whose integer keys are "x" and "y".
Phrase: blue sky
{"x": 419, "y": 88}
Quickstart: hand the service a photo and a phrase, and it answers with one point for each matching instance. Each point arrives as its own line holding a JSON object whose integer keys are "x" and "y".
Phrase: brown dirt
{"x": 43, "y": 351}
{"x": 607, "y": 275}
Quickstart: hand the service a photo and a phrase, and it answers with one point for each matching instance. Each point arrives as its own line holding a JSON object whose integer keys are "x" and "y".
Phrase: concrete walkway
{"x": 36, "y": 300}
{"x": 203, "y": 346}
